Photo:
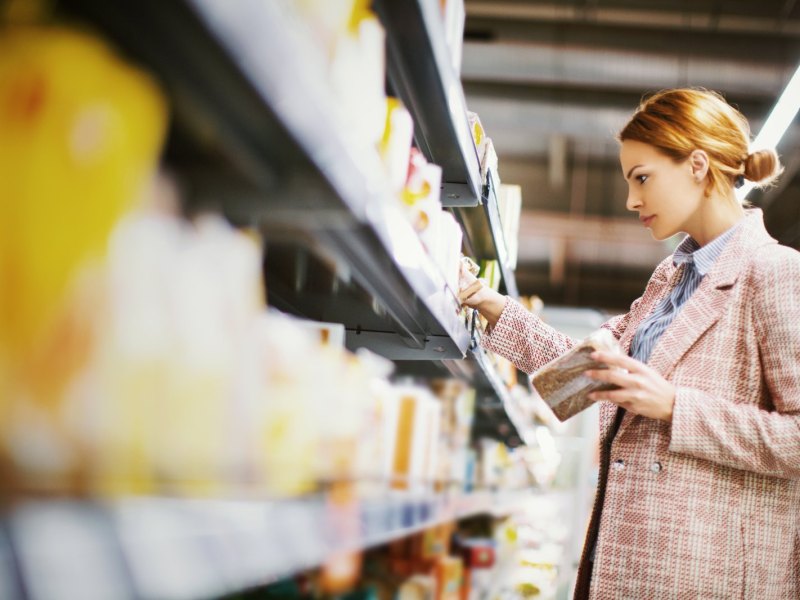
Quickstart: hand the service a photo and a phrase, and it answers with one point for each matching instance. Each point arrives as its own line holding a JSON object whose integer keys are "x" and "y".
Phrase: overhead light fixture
{"x": 776, "y": 124}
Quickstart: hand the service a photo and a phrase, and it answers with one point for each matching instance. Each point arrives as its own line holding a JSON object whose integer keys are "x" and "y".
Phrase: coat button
{"x": 656, "y": 467}
{"x": 618, "y": 465}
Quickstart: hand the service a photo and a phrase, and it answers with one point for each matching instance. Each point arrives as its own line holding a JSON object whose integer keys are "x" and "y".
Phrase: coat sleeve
{"x": 524, "y": 339}
{"x": 529, "y": 343}
{"x": 747, "y": 436}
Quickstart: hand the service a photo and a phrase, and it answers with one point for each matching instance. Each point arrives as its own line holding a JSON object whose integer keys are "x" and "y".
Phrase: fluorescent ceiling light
{"x": 776, "y": 124}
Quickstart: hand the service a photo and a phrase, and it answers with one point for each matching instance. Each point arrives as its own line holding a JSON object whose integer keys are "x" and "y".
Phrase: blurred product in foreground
{"x": 82, "y": 132}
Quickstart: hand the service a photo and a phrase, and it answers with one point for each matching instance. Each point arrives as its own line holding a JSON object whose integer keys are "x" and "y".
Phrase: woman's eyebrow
{"x": 628, "y": 176}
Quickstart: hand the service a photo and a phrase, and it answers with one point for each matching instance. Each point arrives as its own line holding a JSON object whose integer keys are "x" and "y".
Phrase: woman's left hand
{"x": 643, "y": 391}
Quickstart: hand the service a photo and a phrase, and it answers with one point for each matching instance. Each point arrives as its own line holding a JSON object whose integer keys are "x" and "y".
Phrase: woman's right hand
{"x": 476, "y": 294}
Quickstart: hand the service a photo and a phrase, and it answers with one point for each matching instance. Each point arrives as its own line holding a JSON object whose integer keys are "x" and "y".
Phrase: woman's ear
{"x": 698, "y": 161}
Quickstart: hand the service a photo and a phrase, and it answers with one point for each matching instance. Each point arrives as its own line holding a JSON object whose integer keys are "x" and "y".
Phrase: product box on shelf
{"x": 449, "y": 574}
{"x": 487, "y": 156}
{"x": 93, "y": 126}
{"x": 421, "y": 198}
{"x": 396, "y": 144}
{"x": 454, "y": 17}
{"x": 458, "y": 406}
{"x": 491, "y": 273}
{"x": 358, "y": 74}
{"x": 509, "y": 204}
{"x": 414, "y": 455}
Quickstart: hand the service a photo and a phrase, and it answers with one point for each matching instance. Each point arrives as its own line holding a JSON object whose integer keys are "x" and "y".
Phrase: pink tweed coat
{"x": 709, "y": 505}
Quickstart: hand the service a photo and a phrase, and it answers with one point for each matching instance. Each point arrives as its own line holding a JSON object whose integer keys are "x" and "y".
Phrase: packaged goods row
{"x": 175, "y": 378}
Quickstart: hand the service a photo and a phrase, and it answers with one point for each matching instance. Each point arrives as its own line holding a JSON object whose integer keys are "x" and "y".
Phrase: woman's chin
{"x": 660, "y": 235}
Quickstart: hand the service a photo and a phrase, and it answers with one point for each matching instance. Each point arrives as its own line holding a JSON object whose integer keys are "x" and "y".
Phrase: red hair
{"x": 679, "y": 121}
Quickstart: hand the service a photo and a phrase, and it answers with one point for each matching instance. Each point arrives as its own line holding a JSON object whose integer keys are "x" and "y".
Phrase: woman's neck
{"x": 715, "y": 216}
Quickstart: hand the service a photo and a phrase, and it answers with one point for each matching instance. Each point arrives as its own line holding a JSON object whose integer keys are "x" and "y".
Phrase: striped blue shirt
{"x": 696, "y": 263}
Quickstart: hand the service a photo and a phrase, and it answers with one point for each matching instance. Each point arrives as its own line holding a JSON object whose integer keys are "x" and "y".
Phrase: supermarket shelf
{"x": 421, "y": 74}
{"x": 255, "y": 91}
{"x": 497, "y": 415}
{"x": 490, "y": 204}
{"x": 484, "y": 233}
{"x": 384, "y": 254}
{"x": 180, "y": 549}
{"x": 498, "y": 412}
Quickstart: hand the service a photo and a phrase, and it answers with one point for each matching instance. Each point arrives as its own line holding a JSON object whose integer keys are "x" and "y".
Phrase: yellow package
{"x": 81, "y": 134}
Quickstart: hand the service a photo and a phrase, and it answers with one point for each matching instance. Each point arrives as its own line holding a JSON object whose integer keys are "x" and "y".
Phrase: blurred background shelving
{"x": 212, "y": 447}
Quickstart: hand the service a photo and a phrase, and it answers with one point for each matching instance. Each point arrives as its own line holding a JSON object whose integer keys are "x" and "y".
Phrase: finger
{"x": 474, "y": 290}
{"x": 465, "y": 277}
{"x": 623, "y": 379}
{"x": 466, "y": 273}
{"x": 471, "y": 289}
{"x": 475, "y": 300}
{"x": 621, "y": 397}
{"x": 471, "y": 299}
{"x": 618, "y": 360}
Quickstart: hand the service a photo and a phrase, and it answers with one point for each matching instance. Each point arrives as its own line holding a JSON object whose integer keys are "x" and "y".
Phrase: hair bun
{"x": 762, "y": 166}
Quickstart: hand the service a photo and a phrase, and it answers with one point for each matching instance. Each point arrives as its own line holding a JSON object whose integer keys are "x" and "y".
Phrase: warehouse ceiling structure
{"x": 553, "y": 82}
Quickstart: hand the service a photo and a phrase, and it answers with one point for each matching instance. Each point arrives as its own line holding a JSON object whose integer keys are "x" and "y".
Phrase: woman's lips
{"x": 646, "y": 221}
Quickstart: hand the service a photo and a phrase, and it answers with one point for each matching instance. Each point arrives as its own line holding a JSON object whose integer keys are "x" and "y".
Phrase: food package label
{"x": 562, "y": 383}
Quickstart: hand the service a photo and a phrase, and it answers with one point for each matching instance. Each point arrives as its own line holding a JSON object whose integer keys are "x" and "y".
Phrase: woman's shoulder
{"x": 775, "y": 263}
{"x": 775, "y": 256}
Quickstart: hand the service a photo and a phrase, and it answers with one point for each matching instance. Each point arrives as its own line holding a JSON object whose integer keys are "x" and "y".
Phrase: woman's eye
{"x": 641, "y": 178}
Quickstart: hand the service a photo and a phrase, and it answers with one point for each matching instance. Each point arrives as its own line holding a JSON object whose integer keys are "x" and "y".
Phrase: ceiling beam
{"x": 709, "y": 21}
{"x": 561, "y": 65}
{"x": 602, "y": 95}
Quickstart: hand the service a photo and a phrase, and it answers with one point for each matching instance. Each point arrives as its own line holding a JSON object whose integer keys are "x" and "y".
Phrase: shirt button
{"x": 618, "y": 465}
{"x": 656, "y": 467}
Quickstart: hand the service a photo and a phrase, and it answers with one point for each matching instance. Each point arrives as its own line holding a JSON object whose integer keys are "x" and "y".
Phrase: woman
{"x": 699, "y": 493}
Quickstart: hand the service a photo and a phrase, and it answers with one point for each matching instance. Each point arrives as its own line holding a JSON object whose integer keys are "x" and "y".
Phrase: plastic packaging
{"x": 561, "y": 382}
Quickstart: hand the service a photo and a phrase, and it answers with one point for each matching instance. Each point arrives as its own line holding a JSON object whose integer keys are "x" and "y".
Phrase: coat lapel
{"x": 700, "y": 312}
{"x": 643, "y": 312}
{"x": 663, "y": 285}
{"x": 708, "y": 302}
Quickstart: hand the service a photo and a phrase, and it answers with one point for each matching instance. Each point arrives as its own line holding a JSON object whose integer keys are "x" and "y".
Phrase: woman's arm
{"x": 523, "y": 338}
{"x": 512, "y": 331}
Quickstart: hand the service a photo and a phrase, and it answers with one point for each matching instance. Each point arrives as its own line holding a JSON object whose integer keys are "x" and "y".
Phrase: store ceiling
{"x": 554, "y": 81}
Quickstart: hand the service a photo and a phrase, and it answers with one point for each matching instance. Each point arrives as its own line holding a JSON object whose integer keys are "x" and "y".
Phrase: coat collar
{"x": 703, "y": 258}
{"x": 707, "y": 304}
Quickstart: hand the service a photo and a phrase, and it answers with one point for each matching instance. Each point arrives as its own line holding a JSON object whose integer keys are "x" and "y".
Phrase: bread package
{"x": 561, "y": 382}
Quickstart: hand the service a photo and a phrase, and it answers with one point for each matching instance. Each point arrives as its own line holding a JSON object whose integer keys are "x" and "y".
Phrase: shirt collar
{"x": 689, "y": 251}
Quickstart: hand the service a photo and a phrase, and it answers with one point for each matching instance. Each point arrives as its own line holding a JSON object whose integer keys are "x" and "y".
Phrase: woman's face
{"x": 665, "y": 193}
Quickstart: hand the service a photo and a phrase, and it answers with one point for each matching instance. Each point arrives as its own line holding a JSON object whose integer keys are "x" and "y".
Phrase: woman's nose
{"x": 633, "y": 202}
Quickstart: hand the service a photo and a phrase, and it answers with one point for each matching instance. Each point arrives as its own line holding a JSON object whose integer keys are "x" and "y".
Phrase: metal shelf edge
{"x": 517, "y": 420}
{"x": 180, "y": 548}
{"x": 424, "y": 75}
{"x": 496, "y": 227}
